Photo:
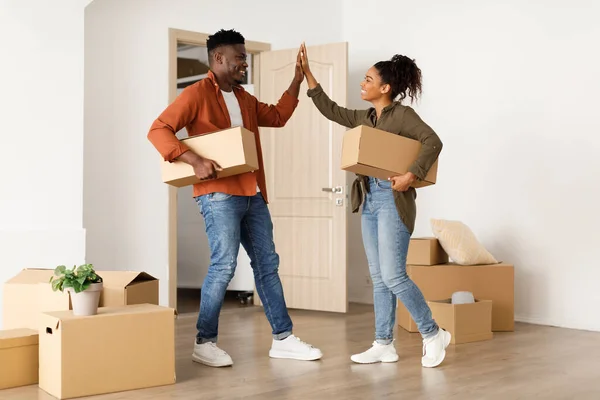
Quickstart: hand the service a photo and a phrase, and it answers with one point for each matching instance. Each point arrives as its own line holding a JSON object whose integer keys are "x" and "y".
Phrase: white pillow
{"x": 460, "y": 243}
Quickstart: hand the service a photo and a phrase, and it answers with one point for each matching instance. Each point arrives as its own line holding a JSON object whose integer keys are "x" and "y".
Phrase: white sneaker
{"x": 434, "y": 349}
{"x": 209, "y": 354}
{"x": 378, "y": 353}
{"x": 293, "y": 348}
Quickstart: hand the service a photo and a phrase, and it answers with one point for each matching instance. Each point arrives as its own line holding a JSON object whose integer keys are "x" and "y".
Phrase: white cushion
{"x": 460, "y": 243}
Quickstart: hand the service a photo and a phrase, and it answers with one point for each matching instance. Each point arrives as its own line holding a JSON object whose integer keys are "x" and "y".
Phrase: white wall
{"x": 41, "y": 109}
{"x": 125, "y": 203}
{"x": 511, "y": 87}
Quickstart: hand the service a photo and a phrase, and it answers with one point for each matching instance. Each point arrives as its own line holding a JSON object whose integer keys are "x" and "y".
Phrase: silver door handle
{"x": 337, "y": 189}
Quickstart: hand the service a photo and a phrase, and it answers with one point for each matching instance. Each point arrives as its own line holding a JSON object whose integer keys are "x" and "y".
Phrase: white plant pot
{"x": 86, "y": 303}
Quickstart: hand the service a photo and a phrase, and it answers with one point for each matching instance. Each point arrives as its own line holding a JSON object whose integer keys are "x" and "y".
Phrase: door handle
{"x": 337, "y": 189}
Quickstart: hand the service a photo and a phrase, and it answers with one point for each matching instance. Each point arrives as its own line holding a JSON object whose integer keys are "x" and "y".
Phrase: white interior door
{"x": 301, "y": 160}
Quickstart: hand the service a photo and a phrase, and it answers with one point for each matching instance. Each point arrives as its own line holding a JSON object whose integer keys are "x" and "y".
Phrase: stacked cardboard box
{"x": 438, "y": 279}
{"x": 72, "y": 356}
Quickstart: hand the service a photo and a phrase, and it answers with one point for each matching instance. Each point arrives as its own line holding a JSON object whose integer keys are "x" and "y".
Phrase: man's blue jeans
{"x": 231, "y": 220}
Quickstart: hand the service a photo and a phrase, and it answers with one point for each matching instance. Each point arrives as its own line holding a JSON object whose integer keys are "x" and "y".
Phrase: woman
{"x": 389, "y": 208}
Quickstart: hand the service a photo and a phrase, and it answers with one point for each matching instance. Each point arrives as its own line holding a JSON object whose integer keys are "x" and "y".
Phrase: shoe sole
{"x": 388, "y": 360}
{"x": 292, "y": 356}
{"x": 199, "y": 360}
{"x": 443, "y": 355}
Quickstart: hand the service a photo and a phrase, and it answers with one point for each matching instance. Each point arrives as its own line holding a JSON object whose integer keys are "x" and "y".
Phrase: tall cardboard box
{"x": 233, "y": 149}
{"x": 18, "y": 358}
{"x": 26, "y": 295}
{"x": 465, "y": 322}
{"x": 119, "y": 349}
{"x": 426, "y": 251}
{"x": 493, "y": 282}
{"x": 127, "y": 288}
{"x": 373, "y": 152}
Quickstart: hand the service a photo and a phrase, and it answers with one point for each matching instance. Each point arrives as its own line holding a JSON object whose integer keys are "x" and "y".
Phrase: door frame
{"x": 197, "y": 39}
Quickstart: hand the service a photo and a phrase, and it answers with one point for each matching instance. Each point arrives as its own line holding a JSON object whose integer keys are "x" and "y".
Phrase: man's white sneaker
{"x": 434, "y": 349}
{"x": 293, "y": 348}
{"x": 209, "y": 354}
{"x": 378, "y": 353}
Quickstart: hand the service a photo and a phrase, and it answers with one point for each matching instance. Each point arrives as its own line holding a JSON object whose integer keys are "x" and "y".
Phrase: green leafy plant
{"x": 78, "y": 278}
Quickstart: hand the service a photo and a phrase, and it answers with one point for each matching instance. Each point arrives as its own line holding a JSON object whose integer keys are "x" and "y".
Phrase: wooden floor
{"x": 532, "y": 362}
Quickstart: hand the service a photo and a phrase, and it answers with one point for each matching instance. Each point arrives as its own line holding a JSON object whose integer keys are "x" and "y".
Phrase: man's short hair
{"x": 223, "y": 38}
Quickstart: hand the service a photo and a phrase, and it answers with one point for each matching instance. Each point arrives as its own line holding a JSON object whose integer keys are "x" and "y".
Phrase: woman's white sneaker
{"x": 209, "y": 354}
{"x": 293, "y": 348}
{"x": 434, "y": 349}
{"x": 377, "y": 353}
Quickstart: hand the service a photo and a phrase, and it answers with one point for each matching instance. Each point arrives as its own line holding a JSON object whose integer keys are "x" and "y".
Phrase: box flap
{"x": 449, "y": 301}
{"x": 18, "y": 337}
{"x": 121, "y": 279}
{"x": 32, "y": 275}
{"x": 444, "y": 301}
{"x": 500, "y": 264}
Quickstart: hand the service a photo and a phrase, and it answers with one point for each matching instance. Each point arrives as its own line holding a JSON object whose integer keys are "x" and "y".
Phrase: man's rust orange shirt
{"x": 201, "y": 109}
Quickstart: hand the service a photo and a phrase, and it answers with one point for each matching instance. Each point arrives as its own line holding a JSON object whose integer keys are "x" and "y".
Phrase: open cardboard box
{"x": 493, "y": 282}
{"x": 466, "y": 322}
{"x": 373, "y": 152}
{"x": 127, "y": 288}
{"x": 233, "y": 149}
{"x": 29, "y": 293}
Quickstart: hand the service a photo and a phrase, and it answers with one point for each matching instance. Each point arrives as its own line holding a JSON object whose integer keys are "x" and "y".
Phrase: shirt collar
{"x": 211, "y": 76}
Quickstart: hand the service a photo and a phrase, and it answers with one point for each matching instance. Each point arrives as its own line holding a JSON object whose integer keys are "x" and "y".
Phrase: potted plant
{"x": 84, "y": 287}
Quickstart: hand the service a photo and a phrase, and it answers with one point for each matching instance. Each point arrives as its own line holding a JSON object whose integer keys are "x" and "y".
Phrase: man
{"x": 234, "y": 208}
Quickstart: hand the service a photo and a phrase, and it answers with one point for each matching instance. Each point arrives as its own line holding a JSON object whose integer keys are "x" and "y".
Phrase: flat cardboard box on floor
{"x": 373, "y": 152}
{"x": 233, "y": 149}
{"x": 493, "y": 282}
{"x": 466, "y": 322}
{"x": 119, "y": 349}
{"x": 29, "y": 293}
{"x": 18, "y": 358}
{"x": 426, "y": 251}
